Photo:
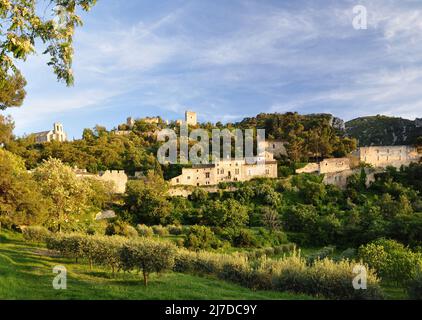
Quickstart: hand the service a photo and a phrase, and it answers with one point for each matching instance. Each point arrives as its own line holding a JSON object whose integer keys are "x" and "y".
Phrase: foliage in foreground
{"x": 324, "y": 278}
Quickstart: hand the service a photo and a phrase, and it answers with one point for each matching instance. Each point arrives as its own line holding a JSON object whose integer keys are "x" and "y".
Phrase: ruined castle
{"x": 337, "y": 170}
{"x": 118, "y": 178}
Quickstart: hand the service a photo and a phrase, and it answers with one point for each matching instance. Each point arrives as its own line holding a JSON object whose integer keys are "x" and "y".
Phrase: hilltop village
{"x": 317, "y": 191}
{"x": 335, "y": 171}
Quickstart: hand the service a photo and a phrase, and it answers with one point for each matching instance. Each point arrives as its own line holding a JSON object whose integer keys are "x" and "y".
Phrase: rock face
{"x": 338, "y": 123}
{"x": 107, "y": 214}
{"x": 384, "y": 131}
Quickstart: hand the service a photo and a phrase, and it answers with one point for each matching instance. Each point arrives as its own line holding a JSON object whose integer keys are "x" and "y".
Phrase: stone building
{"x": 191, "y": 118}
{"x": 117, "y": 177}
{"x": 151, "y": 120}
{"x": 225, "y": 171}
{"x": 130, "y": 122}
{"x": 277, "y": 148}
{"x": 381, "y": 157}
{"x": 331, "y": 165}
{"x": 57, "y": 134}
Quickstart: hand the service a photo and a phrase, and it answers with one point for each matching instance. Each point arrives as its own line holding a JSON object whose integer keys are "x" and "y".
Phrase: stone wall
{"x": 395, "y": 156}
{"x": 334, "y": 165}
{"x": 118, "y": 177}
{"x": 309, "y": 168}
{"x": 339, "y": 179}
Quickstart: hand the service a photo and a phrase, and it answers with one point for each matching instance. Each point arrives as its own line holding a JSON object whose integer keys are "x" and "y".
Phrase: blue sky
{"x": 231, "y": 59}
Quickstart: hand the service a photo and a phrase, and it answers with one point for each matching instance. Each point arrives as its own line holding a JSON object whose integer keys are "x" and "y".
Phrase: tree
{"x": 20, "y": 199}
{"x": 270, "y": 219}
{"x": 147, "y": 256}
{"x": 227, "y": 214}
{"x": 68, "y": 193}
{"x": 12, "y": 92}
{"x": 6, "y": 129}
{"x": 200, "y": 238}
{"x": 146, "y": 200}
{"x": 21, "y": 25}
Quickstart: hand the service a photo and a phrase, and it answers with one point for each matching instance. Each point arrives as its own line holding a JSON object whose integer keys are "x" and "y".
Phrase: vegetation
{"x": 383, "y": 131}
{"x": 27, "y": 274}
{"x": 22, "y": 26}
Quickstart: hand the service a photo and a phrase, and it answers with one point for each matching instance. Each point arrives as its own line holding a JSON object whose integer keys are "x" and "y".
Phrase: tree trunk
{"x": 145, "y": 279}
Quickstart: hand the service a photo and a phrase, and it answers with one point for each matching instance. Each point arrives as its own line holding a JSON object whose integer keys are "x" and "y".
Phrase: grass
{"x": 26, "y": 273}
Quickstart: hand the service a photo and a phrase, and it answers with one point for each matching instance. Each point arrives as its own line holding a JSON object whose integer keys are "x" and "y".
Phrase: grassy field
{"x": 26, "y": 273}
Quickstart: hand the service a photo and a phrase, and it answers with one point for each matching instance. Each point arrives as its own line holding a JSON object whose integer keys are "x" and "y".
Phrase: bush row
{"x": 271, "y": 251}
{"x": 118, "y": 253}
{"x": 324, "y": 278}
{"x": 35, "y": 233}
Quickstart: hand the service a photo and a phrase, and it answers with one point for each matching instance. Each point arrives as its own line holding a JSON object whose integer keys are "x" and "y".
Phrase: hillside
{"x": 383, "y": 130}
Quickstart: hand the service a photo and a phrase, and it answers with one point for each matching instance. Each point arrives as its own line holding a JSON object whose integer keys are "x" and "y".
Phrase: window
{"x": 267, "y": 171}
{"x": 237, "y": 171}
{"x": 188, "y": 177}
{"x": 207, "y": 175}
{"x": 218, "y": 171}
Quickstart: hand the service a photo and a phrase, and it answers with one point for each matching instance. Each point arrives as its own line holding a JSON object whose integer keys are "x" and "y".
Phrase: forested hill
{"x": 383, "y": 130}
{"x": 313, "y": 135}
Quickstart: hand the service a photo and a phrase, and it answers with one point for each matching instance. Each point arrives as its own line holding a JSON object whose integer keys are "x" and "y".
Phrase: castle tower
{"x": 191, "y": 118}
{"x": 130, "y": 122}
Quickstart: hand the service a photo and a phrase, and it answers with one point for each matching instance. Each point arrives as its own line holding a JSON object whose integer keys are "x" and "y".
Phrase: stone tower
{"x": 191, "y": 118}
{"x": 130, "y": 122}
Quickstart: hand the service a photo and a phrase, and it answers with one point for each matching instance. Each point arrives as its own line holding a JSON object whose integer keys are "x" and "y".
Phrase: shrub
{"x": 120, "y": 228}
{"x": 175, "y": 230}
{"x": 147, "y": 256}
{"x": 160, "y": 231}
{"x": 285, "y": 248}
{"x": 414, "y": 288}
{"x": 201, "y": 237}
{"x": 391, "y": 259}
{"x": 180, "y": 243}
{"x": 144, "y": 231}
{"x": 334, "y": 281}
{"x": 6, "y": 222}
{"x": 68, "y": 245}
{"x": 321, "y": 254}
{"x": 107, "y": 251}
{"x": 35, "y": 233}
{"x": 244, "y": 238}
{"x": 130, "y": 232}
{"x": 269, "y": 251}
{"x": 348, "y": 254}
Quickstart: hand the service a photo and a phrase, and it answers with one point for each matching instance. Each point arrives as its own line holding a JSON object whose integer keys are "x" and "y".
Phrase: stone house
{"x": 384, "y": 156}
{"x": 225, "y": 171}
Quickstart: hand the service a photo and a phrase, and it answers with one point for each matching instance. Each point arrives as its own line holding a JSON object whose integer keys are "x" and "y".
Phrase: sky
{"x": 228, "y": 60}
